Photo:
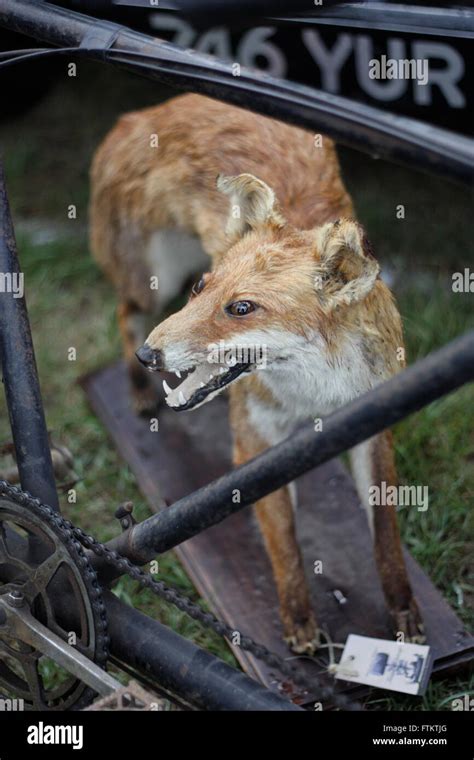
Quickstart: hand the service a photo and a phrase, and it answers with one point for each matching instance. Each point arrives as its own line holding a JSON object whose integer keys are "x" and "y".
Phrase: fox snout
{"x": 150, "y": 357}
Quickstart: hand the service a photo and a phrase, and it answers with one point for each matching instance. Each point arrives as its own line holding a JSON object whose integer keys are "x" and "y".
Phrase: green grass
{"x": 72, "y": 306}
{"x": 433, "y": 236}
{"x": 435, "y": 447}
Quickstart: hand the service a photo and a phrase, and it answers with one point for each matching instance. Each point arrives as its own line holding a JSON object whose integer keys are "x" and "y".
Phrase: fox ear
{"x": 252, "y": 204}
{"x": 346, "y": 268}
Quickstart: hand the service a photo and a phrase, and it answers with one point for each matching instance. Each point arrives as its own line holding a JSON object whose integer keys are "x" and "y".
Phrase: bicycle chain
{"x": 80, "y": 539}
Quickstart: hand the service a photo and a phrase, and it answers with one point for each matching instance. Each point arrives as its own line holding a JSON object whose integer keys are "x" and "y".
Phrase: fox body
{"x": 292, "y": 317}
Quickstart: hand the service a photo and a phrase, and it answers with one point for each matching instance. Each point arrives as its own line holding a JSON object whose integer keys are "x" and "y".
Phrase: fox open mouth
{"x": 202, "y": 383}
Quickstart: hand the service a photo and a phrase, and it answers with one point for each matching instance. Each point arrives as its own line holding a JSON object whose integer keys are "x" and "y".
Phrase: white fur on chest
{"x": 309, "y": 383}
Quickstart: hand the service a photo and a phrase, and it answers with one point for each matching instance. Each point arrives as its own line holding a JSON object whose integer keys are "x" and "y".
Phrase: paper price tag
{"x": 385, "y": 664}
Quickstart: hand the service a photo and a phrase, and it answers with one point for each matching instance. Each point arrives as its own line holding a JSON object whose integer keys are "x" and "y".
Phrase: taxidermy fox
{"x": 293, "y": 315}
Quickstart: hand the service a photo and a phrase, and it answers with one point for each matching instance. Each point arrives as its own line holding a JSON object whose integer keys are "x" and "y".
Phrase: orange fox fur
{"x": 291, "y": 273}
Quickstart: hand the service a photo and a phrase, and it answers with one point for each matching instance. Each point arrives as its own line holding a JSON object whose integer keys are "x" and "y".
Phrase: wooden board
{"x": 228, "y": 563}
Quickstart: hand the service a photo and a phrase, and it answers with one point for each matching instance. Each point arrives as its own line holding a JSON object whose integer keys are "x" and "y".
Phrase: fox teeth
{"x": 166, "y": 387}
{"x": 182, "y": 399}
{"x": 177, "y": 373}
{"x": 202, "y": 385}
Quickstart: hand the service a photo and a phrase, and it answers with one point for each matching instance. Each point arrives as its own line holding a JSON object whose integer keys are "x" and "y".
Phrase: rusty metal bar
{"x": 20, "y": 376}
{"x": 181, "y": 667}
{"x": 430, "y": 378}
{"x": 360, "y": 126}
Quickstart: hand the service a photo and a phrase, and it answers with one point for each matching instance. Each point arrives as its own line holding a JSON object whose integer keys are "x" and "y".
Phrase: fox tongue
{"x": 202, "y": 375}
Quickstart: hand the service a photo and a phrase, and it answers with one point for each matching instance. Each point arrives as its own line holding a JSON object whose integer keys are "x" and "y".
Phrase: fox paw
{"x": 409, "y": 623}
{"x": 304, "y": 639}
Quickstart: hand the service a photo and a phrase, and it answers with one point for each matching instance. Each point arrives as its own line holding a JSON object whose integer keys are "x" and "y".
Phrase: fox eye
{"x": 240, "y": 308}
{"x": 198, "y": 286}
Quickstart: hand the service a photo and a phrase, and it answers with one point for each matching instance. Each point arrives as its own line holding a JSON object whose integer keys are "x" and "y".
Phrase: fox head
{"x": 276, "y": 293}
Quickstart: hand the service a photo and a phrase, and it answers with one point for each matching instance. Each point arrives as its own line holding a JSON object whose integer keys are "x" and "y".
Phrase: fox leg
{"x": 373, "y": 463}
{"x": 275, "y": 518}
{"x": 276, "y": 521}
{"x": 133, "y": 329}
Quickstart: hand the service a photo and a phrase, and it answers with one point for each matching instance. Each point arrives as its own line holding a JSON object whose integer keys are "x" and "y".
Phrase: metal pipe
{"x": 219, "y": 10}
{"x": 20, "y": 376}
{"x": 363, "y": 127}
{"x": 18, "y": 623}
{"x": 389, "y": 17}
{"x": 181, "y": 667}
{"x": 436, "y": 375}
